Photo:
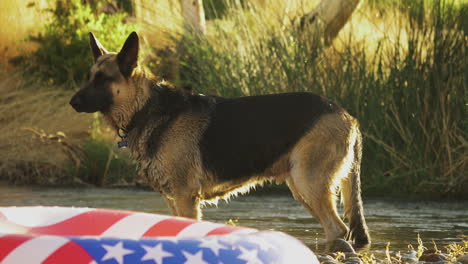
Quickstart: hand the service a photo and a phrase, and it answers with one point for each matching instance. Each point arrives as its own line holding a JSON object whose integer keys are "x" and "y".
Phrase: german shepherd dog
{"x": 194, "y": 148}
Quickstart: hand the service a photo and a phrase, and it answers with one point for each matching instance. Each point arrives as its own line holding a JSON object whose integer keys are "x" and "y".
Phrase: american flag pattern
{"x": 90, "y": 236}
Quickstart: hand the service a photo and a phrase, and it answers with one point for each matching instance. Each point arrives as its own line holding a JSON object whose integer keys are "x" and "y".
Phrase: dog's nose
{"x": 75, "y": 102}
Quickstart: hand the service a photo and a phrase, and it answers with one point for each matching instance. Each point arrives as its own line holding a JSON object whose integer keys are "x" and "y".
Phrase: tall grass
{"x": 39, "y": 135}
{"x": 407, "y": 84}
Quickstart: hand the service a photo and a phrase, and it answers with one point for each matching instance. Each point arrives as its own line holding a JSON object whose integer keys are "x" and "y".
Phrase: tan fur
{"x": 128, "y": 95}
{"x": 180, "y": 144}
{"x": 320, "y": 161}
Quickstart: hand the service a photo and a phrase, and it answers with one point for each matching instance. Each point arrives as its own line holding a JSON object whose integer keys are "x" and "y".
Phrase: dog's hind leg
{"x": 351, "y": 193}
{"x": 319, "y": 161}
{"x": 319, "y": 201}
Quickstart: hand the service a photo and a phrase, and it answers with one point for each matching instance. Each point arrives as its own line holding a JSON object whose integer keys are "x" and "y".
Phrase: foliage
{"x": 102, "y": 165}
{"x": 63, "y": 56}
{"x": 409, "y": 92}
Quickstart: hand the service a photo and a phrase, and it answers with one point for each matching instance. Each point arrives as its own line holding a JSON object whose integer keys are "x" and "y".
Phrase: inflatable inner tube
{"x": 88, "y": 235}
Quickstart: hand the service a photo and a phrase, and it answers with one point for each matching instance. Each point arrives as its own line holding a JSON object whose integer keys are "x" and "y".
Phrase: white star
{"x": 155, "y": 253}
{"x": 251, "y": 256}
{"x": 194, "y": 258}
{"x": 116, "y": 252}
{"x": 213, "y": 245}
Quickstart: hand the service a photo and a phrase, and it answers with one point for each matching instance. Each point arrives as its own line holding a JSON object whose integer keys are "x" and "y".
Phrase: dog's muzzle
{"x": 76, "y": 102}
{"x": 91, "y": 100}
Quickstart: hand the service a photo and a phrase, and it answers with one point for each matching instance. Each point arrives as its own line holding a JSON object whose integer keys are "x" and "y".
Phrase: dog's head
{"x": 108, "y": 80}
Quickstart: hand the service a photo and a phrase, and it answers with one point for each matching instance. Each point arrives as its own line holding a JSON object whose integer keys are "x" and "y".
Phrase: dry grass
{"x": 40, "y": 134}
{"x": 451, "y": 251}
{"x": 159, "y": 19}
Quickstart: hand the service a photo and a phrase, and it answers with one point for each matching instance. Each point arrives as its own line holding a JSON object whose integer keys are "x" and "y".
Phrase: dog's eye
{"x": 100, "y": 78}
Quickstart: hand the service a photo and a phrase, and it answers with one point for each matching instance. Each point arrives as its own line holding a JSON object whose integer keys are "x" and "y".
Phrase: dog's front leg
{"x": 170, "y": 203}
{"x": 187, "y": 205}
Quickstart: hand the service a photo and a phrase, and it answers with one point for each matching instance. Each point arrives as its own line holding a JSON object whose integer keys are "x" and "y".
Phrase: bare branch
{"x": 194, "y": 16}
{"x": 329, "y": 17}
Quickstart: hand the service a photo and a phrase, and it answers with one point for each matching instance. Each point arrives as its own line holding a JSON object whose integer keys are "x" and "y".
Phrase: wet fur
{"x": 194, "y": 148}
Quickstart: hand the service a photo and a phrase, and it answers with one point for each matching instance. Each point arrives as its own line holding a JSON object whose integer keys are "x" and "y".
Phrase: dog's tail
{"x": 351, "y": 193}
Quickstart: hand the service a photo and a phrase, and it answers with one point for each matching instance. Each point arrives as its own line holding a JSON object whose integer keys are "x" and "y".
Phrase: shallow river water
{"x": 397, "y": 222}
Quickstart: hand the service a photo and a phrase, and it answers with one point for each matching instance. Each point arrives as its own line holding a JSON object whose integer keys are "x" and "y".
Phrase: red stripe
{"x": 70, "y": 253}
{"x": 9, "y": 243}
{"x": 168, "y": 227}
{"x": 222, "y": 230}
{"x": 91, "y": 223}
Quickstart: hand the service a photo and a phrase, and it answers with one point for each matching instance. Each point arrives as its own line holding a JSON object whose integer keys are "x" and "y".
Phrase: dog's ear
{"x": 128, "y": 55}
{"x": 96, "y": 47}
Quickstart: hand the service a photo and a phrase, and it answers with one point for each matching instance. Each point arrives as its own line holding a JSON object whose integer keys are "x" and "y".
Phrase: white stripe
{"x": 243, "y": 231}
{"x": 198, "y": 229}
{"x": 40, "y": 216}
{"x": 35, "y": 250}
{"x": 133, "y": 226}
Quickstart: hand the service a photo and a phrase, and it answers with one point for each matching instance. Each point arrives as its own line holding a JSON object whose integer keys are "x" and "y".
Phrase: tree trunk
{"x": 328, "y": 18}
{"x": 194, "y": 16}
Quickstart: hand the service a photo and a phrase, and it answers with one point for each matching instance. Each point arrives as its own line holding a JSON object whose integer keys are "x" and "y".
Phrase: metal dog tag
{"x": 122, "y": 144}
